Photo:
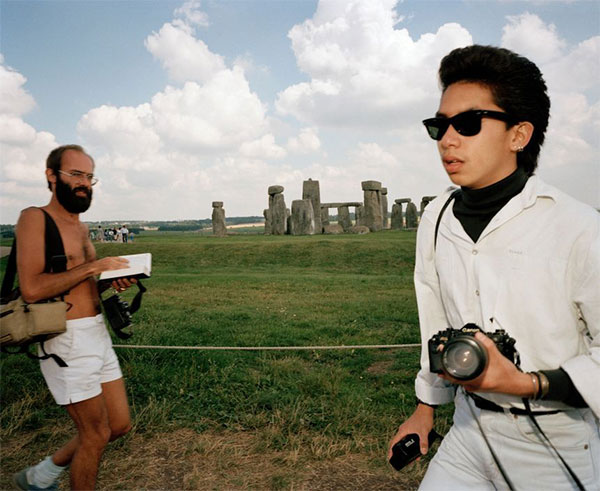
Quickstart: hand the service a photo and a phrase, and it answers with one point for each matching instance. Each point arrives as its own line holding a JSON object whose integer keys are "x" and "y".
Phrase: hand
{"x": 500, "y": 374}
{"x": 421, "y": 423}
{"x": 110, "y": 264}
{"x": 122, "y": 284}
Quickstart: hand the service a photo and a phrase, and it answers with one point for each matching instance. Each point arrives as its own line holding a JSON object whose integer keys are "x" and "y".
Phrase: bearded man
{"x": 91, "y": 387}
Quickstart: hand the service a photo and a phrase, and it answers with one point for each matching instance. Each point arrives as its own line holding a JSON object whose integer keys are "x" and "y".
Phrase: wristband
{"x": 535, "y": 380}
{"x": 432, "y": 406}
{"x": 544, "y": 384}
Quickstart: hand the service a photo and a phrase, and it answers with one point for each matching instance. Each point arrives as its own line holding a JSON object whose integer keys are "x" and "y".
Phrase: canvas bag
{"x": 21, "y": 323}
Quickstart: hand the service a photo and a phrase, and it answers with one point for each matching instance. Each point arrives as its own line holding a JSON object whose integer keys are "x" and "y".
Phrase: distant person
{"x": 91, "y": 387}
{"x": 516, "y": 254}
{"x": 124, "y": 233}
{"x": 100, "y": 234}
{"x": 131, "y": 236}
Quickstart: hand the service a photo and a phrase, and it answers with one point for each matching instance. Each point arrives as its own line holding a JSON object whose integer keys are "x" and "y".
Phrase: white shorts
{"x": 87, "y": 349}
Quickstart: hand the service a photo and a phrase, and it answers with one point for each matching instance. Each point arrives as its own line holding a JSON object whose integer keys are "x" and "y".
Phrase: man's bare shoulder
{"x": 31, "y": 216}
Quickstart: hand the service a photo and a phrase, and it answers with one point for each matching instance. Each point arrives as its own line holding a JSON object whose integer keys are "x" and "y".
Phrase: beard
{"x": 68, "y": 198}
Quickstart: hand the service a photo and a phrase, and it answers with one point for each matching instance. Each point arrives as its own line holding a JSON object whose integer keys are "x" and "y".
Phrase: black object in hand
{"x": 408, "y": 449}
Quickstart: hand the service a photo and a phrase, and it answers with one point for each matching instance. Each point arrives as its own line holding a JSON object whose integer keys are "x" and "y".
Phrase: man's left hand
{"x": 122, "y": 284}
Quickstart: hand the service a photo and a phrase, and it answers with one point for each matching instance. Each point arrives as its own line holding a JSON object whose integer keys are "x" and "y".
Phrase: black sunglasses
{"x": 466, "y": 124}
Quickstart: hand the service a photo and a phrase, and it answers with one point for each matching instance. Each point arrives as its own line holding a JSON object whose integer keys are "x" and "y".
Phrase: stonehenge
{"x": 310, "y": 216}
{"x": 218, "y": 219}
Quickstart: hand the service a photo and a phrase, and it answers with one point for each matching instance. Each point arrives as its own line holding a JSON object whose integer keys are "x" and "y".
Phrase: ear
{"x": 522, "y": 133}
{"x": 50, "y": 176}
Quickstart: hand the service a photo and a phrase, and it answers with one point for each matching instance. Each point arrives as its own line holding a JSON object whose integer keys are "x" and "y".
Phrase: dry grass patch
{"x": 184, "y": 459}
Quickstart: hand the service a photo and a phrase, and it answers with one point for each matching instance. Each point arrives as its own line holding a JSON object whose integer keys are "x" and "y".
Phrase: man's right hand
{"x": 421, "y": 423}
{"x": 109, "y": 264}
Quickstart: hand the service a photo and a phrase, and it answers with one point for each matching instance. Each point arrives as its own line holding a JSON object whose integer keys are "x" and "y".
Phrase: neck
{"x": 59, "y": 211}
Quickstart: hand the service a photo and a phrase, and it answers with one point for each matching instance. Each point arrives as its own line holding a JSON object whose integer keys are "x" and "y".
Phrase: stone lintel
{"x": 402, "y": 200}
{"x": 339, "y": 205}
{"x": 371, "y": 185}
{"x": 275, "y": 190}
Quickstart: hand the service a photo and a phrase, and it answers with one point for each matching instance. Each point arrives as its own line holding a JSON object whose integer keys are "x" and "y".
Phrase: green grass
{"x": 252, "y": 290}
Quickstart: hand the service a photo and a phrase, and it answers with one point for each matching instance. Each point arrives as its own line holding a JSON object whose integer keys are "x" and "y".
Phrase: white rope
{"x": 267, "y": 348}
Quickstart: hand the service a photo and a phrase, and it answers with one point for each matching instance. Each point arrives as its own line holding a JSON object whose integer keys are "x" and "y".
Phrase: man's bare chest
{"x": 74, "y": 243}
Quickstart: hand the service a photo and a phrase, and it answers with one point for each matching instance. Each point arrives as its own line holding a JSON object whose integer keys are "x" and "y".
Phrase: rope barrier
{"x": 268, "y": 348}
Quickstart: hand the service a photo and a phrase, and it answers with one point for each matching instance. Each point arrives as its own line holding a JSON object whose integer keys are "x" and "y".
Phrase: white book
{"x": 140, "y": 266}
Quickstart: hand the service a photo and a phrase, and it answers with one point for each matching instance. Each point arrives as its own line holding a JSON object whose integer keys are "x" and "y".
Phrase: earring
{"x": 519, "y": 149}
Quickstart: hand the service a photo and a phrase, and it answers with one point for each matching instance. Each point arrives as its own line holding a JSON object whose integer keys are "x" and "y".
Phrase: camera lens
{"x": 464, "y": 358}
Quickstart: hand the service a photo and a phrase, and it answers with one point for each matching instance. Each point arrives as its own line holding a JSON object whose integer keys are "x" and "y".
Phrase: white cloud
{"x": 192, "y": 14}
{"x": 363, "y": 71}
{"x": 23, "y": 150}
{"x": 14, "y": 99}
{"x": 307, "y": 141}
{"x": 263, "y": 148}
{"x": 529, "y": 36}
{"x": 183, "y": 56}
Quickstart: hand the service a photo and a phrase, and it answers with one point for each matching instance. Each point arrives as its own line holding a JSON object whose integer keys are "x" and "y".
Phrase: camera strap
{"x": 567, "y": 467}
{"x": 487, "y": 442}
{"x": 453, "y": 195}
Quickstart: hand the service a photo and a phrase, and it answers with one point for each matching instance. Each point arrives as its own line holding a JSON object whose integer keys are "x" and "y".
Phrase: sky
{"x": 182, "y": 103}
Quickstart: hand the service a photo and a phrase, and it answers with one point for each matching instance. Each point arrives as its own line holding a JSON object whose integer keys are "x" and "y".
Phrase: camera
{"x": 408, "y": 449}
{"x": 457, "y": 353}
{"x": 118, "y": 315}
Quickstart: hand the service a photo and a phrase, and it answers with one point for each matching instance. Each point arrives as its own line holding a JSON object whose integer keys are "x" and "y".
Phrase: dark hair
{"x": 54, "y": 159}
{"x": 516, "y": 84}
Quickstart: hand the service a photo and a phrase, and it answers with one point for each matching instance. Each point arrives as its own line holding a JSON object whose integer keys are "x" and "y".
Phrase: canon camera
{"x": 457, "y": 353}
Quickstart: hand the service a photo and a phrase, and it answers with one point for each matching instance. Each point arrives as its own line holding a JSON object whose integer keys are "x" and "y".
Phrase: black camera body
{"x": 117, "y": 313}
{"x": 457, "y": 353}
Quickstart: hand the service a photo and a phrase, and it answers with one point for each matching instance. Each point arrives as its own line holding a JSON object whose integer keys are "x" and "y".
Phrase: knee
{"x": 96, "y": 437}
{"x": 119, "y": 431}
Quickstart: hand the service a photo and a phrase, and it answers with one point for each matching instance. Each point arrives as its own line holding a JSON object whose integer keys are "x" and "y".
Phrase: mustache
{"x": 87, "y": 191}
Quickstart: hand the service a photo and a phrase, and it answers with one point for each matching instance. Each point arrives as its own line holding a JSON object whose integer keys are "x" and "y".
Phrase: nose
{"x": 451, "y": 138}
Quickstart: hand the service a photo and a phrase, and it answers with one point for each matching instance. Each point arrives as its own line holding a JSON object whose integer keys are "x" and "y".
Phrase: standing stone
{"x": 344, "y": 218}
{"x": 218, "y": 219}
{"x": 311, "y": 191}
{"x": 324, "y": 216}
{"x": 302, "y": 221}
{"x": 397, "y": 216}
{"x": 411, "y": 215}
{"x": 384, "y": 207}
{"x": 278, "y": 210}
{"x": 373, "y": 215}
{"x": 267, "y": 215}
{"x": 359, "y": 213}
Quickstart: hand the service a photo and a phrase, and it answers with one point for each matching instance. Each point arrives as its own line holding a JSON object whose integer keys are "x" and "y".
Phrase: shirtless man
{"x": 91, "y": 388}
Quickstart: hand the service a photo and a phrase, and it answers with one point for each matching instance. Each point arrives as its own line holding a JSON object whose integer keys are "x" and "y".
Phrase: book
{"x": 140, "y": 266}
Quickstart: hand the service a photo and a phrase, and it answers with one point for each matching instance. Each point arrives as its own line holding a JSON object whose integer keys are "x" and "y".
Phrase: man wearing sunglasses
{"x": 91, "y": 386}
{"x": 507, "y": 251}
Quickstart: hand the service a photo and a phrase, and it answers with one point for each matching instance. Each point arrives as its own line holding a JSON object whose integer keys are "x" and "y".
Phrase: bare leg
{"x": 108, "y": 412}
{"x": 93, "y": 430}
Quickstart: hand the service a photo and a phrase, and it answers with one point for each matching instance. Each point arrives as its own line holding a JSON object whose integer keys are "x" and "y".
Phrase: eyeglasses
{"x": 80, "y": 176}
{"x": 467, "y": 123}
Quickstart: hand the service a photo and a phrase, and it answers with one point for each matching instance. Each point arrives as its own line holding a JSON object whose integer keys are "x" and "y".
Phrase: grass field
{"x": 317, "y": 419}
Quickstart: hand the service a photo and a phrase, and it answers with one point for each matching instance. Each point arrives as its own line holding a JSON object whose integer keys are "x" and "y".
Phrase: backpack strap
{"x": 56, "y": 261}
{"x": 453, "y": 195}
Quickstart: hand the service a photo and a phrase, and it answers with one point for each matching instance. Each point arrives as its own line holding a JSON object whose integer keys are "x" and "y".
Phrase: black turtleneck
{"x": 474, "y": 208}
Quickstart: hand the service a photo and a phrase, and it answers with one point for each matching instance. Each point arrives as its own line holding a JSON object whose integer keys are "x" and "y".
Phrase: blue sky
{"x": 185, "y": 103}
